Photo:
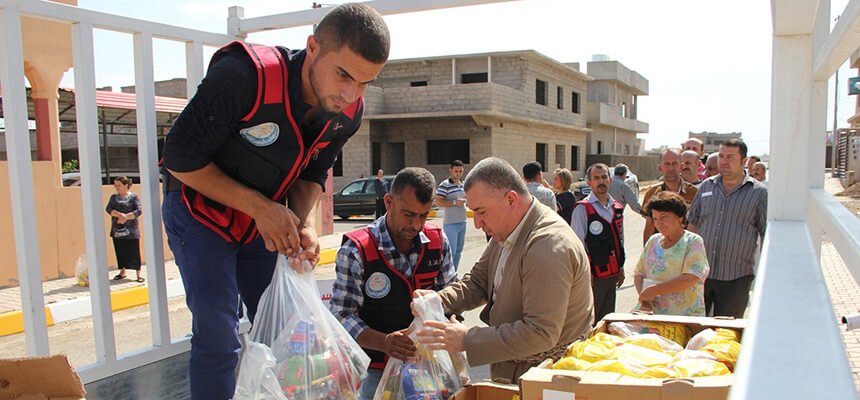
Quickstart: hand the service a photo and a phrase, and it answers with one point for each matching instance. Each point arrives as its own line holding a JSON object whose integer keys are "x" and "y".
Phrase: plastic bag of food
{"x": 607, "y": 338}
{"x": 692, "y": 355}
{"x": 699, "y": 367}
{"x": 707, "y": 335}
{"x": 297, "y": 349}
{"x": 659, "y": 372}
{"x": 571, "y": 364}
{"x": 81, "y": 271}
{"x": 643, "y": 356}
{"x": 726, "y": 351}
{"x": 654, "y": 342}
{"x": 678, "y": 333}
{"x": 625, "y": 367}
{"x": 430, "y": 375}
{"x": 590, "y": 350}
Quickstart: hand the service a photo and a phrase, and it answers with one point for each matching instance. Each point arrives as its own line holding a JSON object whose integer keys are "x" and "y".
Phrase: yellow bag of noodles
{"x": 572, "y": 364}
{"x": 699, "y": 367}
{"x": 590, "y": 350}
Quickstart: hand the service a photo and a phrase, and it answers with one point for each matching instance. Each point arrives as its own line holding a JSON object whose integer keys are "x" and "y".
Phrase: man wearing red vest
{"x": 378, "y": 268}
{"x": 244, "y": 165}
{"x": 598, "y": 220}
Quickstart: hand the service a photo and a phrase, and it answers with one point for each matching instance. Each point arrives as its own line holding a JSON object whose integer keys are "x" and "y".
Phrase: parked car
{"x": 357, "y": 197}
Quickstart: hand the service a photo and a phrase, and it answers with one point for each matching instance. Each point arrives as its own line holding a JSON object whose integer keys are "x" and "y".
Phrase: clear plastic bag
{"x": 297, "y": 350}
{"x": 430, "y": 375}
{"x": 81, "y": 271}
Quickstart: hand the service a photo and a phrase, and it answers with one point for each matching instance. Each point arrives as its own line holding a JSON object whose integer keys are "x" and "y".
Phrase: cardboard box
{"x": 486, "y": 390}
{"x": 544, "y": 383}
{"x": 44, "y": 378}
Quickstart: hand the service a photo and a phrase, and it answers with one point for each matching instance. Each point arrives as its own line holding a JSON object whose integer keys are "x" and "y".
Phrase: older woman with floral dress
{"x": 671, "y": 272}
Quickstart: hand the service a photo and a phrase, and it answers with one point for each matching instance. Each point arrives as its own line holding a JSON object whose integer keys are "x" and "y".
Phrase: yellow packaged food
{"x": 654, "y": 342}
{"x": 644, "y": 356}
{"x": 607, "y": 338}
{"x": 693, "y": 354}
{"x": 726, "y": 334}
{"x": 627, "y": 368}
{"x": 699, "y": 367}
{"x": 660, "y": 372}
{"x": 590, "y": 350}
{"x": 678, "y": 333}
{"x": 572, "y": 364}
{"x": 726, "y": 351}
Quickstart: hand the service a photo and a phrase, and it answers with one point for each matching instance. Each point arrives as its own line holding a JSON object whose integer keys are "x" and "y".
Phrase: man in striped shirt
{"x": 730, "y": 213}
{"x": 452, "y": 198}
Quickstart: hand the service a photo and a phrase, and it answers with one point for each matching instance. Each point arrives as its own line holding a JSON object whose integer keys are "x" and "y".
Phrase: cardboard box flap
{"x": 486, "y": 390}
{"x": 696, "y": 324}
{"x": 52, "y": 377}
{"x": 678, "y": 389}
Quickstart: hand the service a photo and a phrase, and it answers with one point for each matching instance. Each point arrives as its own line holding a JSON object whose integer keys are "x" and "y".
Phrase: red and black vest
{"x": 604, "y": 240}
{"x": 387, "y": 292}
{"x": 268, "y": 152}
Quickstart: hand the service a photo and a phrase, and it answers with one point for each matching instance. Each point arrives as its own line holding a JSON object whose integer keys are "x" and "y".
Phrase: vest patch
{"x": 595, "y": 227}
{"x": 261, "y": 135}
{"x": 377, "y": 286}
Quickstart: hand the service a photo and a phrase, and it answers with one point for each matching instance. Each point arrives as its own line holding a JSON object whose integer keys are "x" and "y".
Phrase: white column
{"x": 489, "y": 69}
{"x": 818, "y": 122}
{"x": 453, "y": 71}
{"x": 194, "y": 68}
{"x": 234, "y": 19}
{"x": 91, "y": 190}
{"x": 21, "y": 183}
{"x": 147, "y": 145}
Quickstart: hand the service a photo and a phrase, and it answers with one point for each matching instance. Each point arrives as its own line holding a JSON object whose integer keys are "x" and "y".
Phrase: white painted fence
{"x": 792, "y": 348}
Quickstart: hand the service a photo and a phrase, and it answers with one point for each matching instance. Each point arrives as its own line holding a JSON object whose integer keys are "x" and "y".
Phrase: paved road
{"x": 132, "y": 329}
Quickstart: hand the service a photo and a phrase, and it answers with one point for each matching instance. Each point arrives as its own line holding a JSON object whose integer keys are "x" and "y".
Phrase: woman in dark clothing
{"x": 124, "y": 209}
{"x": 561, "y": 181}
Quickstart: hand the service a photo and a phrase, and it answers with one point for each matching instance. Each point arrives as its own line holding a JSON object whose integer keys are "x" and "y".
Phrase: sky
{"x": 708, "y": 63}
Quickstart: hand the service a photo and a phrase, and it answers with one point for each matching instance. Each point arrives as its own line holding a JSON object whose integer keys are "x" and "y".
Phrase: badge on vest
{"x": 595, "y": 227}
{"x": 377, "y": 286}
{"x": 261, "y": 135}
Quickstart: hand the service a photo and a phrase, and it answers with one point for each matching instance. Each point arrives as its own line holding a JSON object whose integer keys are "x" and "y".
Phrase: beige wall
{"x": 59, "y": 222}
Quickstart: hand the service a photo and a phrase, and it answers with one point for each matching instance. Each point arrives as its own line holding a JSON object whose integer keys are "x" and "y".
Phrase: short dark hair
{"x": 593, "y": 166}
{"x": 531, "y": 170}
{"x": 357, "y": 26}
{"x": 456, "y": 163}
{"x": 419, "y": 179}
{"x": 667, "y": 201}
{"x": 620, "y": 170}
{"x": 756, "y": 158}
{"x": 496, "y": 174}
{"x": 735, "y": 142}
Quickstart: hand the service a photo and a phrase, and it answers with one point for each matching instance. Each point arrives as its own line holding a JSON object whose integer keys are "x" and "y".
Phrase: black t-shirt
{"x": 223, "y": 98}
{"x": 565, "y": 201}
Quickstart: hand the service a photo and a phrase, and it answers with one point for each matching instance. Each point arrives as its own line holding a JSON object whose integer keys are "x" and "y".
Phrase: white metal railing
{"x": 792, "y": 347}
{"x": 82, "y": 22}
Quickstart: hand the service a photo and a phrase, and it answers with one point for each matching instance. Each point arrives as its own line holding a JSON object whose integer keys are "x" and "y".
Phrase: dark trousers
{"x": 380, "y": 208}
{"x": 215, "y": 274}
{"x": 728, "y": 298}
{"x": 604, "y": 296}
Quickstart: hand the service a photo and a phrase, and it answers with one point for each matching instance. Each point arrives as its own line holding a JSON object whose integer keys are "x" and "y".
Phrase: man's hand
{"x": 277, "y": 225}
{"x": 646, "y": 306}
{"x": 311, "y": 245}
{"x": 398, "y": 345}
{"x": 444, "y": 335}
{"x": 620, "y": 279}
{"x": 416, "y": 294}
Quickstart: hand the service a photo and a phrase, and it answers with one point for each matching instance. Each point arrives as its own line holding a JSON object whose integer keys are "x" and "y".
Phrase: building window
{"x": 540, "y": 92}
{"x": 574, "y": 102}
{"x": 445, "y": 151}
{"x": 337, "y": 168}
{"x": 624, "y": 110}
{"x": 599, "y": 147}
{"x": 418, "y": 83}
{"x": 477, "y": 77}
{"x": 560, "y": 94}
{"x": 559, "y": 155}
{"x": 540, "y": 155}
{"x": 626, "y": 149}
{"x": 574, "y": 158}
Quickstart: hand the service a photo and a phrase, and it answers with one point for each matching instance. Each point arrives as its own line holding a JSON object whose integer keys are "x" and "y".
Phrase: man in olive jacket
{"x": 533, "y": 277}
